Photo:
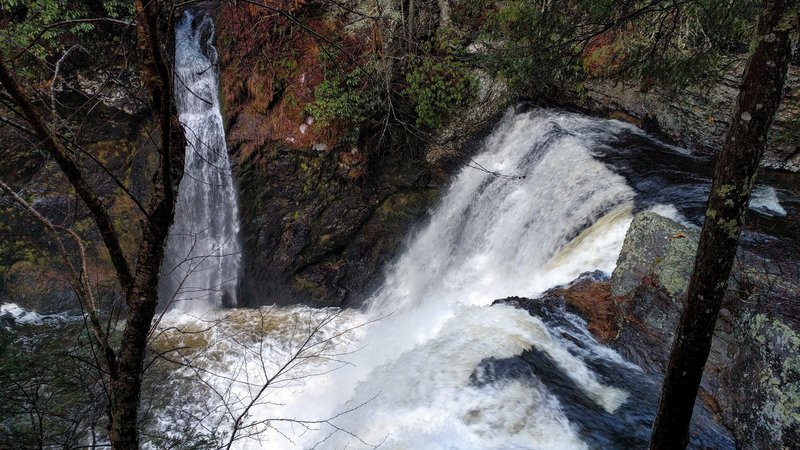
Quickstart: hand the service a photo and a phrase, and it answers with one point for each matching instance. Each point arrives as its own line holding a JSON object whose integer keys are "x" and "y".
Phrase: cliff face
{"x": 113, "y": 129}
{"x": 698, "y": 117}
{"x": 324, "y": 206}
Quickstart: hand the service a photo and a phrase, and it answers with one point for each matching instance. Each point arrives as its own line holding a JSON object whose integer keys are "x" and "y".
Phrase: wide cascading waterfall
{"x": 202, "y": 259}
{"x": 533, "y": 210}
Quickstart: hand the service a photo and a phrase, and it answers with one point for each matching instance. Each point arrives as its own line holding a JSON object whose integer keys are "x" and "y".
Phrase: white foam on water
{"x": 671, "y": 212}
{"x": 764, "y": 199}
{"x": 24, "y": 316}
{"x": 20, "y": 314}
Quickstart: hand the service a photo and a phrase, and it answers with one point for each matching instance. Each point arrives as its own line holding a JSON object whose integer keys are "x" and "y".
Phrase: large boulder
{"x": 657, "y": 246}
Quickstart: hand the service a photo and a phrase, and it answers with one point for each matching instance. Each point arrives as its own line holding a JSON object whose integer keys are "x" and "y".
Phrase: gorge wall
{"x": 324, "y": 206}
{"x": 698, "y": 117}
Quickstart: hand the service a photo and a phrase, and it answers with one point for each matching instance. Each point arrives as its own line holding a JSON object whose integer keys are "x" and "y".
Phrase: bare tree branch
{"x": 72, "y": 172}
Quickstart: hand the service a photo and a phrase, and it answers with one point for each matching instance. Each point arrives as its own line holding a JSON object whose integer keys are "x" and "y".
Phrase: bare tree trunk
{"x": 759, "y": 97}
{"x": 125, "y": 365}
{"x": 126, "y": 388}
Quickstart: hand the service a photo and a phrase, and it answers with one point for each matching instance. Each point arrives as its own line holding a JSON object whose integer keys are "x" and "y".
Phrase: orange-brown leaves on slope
{"x": 595, "y": 303}
{"x": 270, "y": 69}
{"x": 602, "y": 54}
{"x": 255, "y": 8}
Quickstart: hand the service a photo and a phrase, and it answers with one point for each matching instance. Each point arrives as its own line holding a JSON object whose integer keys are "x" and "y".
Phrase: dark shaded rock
{"x": 751, "y": 382}
{"x": 6, "y": 321}
{"x": 111, "y": 129}
{"x": 628, "y": 426}
{"x": 313, "y": 236}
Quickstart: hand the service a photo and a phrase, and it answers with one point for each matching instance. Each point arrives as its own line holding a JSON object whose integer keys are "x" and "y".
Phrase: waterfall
{"x": 533, "y": 210}
{"x": 431, "y": 363}
{"x": 202, "y": 260}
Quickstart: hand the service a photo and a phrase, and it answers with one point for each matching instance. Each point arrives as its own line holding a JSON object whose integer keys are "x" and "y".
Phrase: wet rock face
{"x": 655, "y": 246}
{"x": 752, "y": 377}
{"x": 312, "y": 235}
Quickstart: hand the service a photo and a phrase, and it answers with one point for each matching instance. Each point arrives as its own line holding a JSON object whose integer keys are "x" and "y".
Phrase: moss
{"x": 402, "y": 206}
{"x": 652, "y": 246}
{"x": 730, "y": 227}
{"x": 674, "y": 271}
{"x": 397, "y": 205}
{"x": 307, "y": 287}
{"x": 779, "y": 372}
{"x": 725, "y": 189}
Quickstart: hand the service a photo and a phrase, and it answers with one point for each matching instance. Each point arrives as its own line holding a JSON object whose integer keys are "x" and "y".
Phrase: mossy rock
{"x": 655, "y": 245}
{"x": 767, "y": 382}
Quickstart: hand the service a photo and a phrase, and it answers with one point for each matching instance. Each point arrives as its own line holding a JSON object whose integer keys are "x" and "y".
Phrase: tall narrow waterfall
{"x": 203, "y": 254}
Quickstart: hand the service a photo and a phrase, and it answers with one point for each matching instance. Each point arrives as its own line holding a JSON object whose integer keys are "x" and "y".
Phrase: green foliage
{"x": 533, "y": 46}
{"x": 688, "y": 45}
{"x": 468, "y": 13}
{"x": 29, "y": 20}
{"x": 346, "y": 97}
{"x": 119, "y": 9}
{"x": 438, "y": 88}
{"x": 539, "y": 46}
{"x": 28, "y": 27}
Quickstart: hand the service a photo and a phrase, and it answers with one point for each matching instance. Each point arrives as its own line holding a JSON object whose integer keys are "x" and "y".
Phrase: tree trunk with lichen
{"x": 737, "y": 165}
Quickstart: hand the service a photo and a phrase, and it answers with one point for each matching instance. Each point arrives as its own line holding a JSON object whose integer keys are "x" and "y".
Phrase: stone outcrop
{"x": 630, "y": 425}
{"x": 751, "y": 382}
